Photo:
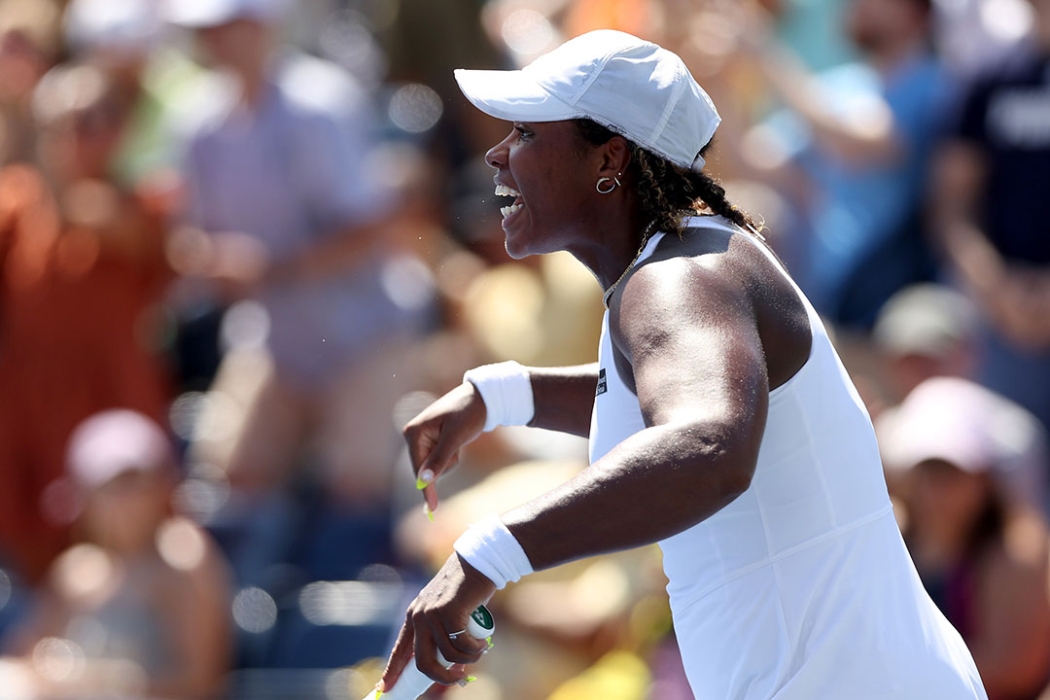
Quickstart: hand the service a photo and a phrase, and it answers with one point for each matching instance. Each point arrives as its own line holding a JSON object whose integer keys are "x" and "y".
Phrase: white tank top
{"x": 802, "y": 586}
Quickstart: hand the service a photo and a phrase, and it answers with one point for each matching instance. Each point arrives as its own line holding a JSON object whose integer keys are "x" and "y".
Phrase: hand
{"x": 239, "y": 263}
{"x": 436, "y": 435}
{"x": 442, "y": 608}
{"x": 1020, "y": 307}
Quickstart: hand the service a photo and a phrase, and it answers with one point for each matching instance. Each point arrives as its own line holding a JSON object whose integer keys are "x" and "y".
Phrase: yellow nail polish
{"x": 420, "y": 484}
{"x": 488, "y": 640}
{"x": 428, "y": 512}
{"x": 471, "y": 679}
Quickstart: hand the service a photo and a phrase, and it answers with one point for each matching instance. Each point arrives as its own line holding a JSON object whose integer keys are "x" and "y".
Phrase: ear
{"x": 615, "y": 157}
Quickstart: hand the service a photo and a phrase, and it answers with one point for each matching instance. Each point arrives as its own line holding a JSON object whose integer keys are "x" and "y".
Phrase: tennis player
{"x": 722, "y": 424}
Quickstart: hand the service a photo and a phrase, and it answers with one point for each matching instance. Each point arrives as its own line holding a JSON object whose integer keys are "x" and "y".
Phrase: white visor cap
{"x": 634, "y": 87}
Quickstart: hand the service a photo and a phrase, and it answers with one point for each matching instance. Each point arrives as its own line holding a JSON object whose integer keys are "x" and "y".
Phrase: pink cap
{"x": 954, "y": 420}
{"x": 113, "y": 442}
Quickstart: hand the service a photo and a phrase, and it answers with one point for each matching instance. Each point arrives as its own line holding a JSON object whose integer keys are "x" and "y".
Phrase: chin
{"x": 516, "y": 252}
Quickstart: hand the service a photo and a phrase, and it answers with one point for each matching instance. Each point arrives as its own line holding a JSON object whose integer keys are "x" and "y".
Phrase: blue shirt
{"x": 289, "y": 172}
{"x": 860, "y": 206}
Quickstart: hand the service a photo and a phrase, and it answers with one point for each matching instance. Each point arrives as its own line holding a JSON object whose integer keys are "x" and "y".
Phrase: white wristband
{"x": 506, "y": 389}
{"x": 489, "y": 547}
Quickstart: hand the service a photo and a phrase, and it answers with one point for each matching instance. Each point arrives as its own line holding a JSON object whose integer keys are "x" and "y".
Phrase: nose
{"x": 496, "y": 157}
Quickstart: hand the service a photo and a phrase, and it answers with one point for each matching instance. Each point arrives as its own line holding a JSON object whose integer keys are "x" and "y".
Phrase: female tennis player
{"x": 722, "y": 424}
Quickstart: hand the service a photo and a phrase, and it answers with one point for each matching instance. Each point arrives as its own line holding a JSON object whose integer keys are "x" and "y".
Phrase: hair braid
{"x": 654, "y": 200}
{"x": 668, "y": 192}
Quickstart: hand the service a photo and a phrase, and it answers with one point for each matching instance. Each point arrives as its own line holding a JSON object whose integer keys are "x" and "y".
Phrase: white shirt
{"x": 802, "y": 587}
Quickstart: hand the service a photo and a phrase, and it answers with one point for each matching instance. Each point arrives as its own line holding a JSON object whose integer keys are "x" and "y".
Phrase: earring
{"x": 615, "y": 180}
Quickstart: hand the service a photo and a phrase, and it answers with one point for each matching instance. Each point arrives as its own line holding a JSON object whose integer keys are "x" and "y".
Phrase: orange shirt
{"x": 77, "y": 303}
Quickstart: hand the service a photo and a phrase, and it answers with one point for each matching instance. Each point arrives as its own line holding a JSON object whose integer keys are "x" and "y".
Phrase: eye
{"x": 523, "y": 132}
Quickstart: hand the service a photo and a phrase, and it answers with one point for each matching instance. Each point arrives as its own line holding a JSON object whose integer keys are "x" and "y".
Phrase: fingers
{"x": 433, "y": 643}
{"x": 431, "y": 497}
{"x": 399, "y": 657}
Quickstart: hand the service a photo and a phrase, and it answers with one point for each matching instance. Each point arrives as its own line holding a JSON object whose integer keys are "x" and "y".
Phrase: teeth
{"x": 504, "y": 191}
{"x": 507, "y": 211}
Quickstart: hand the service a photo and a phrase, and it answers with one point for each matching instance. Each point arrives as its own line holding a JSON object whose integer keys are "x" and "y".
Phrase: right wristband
{"x": 489, "y": 547}
{"x": 506, "y": 389}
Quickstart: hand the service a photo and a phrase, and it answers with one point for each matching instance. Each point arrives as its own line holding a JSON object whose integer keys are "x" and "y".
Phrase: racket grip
{"x": 414, "y": 682}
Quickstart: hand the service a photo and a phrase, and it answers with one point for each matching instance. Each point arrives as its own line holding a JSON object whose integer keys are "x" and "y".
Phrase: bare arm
{"x": 701, "y": 381}
{"x": 691, "y": 337}
{"x": 1011, "y": 644}
{"x": 562, "y": 397}
{"x": 200, "y": 626}
{"x": 1016, "y": 299}
{"x": 867, "y": 135}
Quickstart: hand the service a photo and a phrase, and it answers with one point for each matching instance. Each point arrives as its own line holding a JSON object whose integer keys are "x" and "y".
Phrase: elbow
{"x": 738, "y": 480}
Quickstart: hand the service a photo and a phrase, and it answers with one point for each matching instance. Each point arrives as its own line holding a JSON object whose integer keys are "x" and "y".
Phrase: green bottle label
{"x": 483, "y": 617}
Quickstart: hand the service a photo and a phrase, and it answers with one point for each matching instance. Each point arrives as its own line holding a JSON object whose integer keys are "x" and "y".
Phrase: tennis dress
{"x": 801, "y": 588}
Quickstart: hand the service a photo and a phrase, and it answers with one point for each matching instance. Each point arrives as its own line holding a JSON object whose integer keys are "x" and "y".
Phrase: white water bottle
{"x": 414, "y": 682}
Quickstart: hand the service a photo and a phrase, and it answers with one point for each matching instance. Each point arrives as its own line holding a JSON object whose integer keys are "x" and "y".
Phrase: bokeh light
{"x": 415, "y": 108}
{"x": 254, "y": 610}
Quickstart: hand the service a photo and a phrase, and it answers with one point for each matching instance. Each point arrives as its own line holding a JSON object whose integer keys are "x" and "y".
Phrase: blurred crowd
{"x": 243, "y": 241}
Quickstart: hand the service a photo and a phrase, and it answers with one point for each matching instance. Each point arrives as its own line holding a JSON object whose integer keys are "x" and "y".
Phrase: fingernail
{"x": 488, "y": 640}
{"x": 471, "y": 679}
{"x": 424, "y": 479}
{"x": 428, "y": 512}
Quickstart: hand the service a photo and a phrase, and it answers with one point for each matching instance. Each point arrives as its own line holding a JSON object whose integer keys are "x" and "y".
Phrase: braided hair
{"x": 669, "y": 192}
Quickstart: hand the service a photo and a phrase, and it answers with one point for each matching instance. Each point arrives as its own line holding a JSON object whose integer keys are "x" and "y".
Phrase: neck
{"x": 890, "y": 57}
{"x": 647, "y": 234}
{"x": 612, "y": 248}
{"x": 253, "y": 87}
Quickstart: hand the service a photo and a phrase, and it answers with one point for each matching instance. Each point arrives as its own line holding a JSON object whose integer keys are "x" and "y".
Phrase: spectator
{"x": 142, "y": 600}
{"x": 859, "y": 135}
{"x": 81, "y": 272}
{"x": 981, "y": 552}
{"x": 991, "y": 212}
{"x": 972, "y": 35}
{"x": 155, "y": 80}
{"x": 282, "y": 188}
{"x": 28, "y": 47}
{"x": 924, "y": 331}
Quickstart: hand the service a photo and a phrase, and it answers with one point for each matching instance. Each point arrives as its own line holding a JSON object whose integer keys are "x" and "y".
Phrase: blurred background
{"x": 242, "y": 242}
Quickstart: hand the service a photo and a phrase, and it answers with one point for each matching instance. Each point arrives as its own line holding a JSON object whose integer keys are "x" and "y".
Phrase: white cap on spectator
{"x": 960, "y": 422}
{"x": 113, "y": 442}
{"x": 122, "y": 25}
{"x": 211, "y": 13}
{"x": 632, "y": 86}
{"x": 925, "y": 319}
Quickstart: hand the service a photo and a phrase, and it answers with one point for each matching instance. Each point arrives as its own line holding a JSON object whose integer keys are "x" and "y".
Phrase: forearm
{"x": 563, "y": 397}
{"x": 332, "y": 255}
{"x": 655, "y": 484}
{"x": 867, "y": 138}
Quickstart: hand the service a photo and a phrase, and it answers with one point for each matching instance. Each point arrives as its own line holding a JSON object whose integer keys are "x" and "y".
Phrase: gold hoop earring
{"x": 614, "y": 180}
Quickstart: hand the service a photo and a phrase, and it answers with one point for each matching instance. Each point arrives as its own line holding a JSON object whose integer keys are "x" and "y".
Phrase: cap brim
{"x": 512, "y": 95}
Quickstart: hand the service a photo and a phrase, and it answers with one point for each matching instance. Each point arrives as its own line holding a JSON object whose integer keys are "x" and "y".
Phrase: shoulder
{"x": 719, "y": 289}
{"x": 711, "y": 256}
{"x": 83, "y": 575}
{"x": 703, "y": 276}
{"x": 186, "y": 548}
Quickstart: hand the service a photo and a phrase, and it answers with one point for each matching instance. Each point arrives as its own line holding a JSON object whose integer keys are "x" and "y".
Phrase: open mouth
{"x": 510, "y": 209}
